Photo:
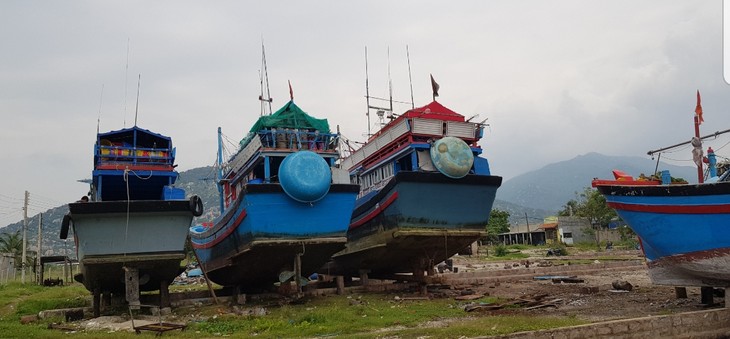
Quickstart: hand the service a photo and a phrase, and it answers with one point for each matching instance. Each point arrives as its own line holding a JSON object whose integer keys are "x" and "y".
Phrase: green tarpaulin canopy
{"x": 291, "y": 116}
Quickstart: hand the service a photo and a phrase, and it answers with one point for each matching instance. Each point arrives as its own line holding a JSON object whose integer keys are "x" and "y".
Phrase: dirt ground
{"x": 644, "y": 299}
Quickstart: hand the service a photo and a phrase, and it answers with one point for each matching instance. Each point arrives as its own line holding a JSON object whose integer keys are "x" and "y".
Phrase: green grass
{"x": 365, "y": 316}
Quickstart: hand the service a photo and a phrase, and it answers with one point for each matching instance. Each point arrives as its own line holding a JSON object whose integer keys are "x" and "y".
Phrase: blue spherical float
{"x": 452, "y": 157}
{"x": 305, "y": 176}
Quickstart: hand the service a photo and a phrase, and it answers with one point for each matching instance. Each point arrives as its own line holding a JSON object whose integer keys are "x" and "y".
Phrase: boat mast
{"x": 390, "y": 86}
{"x": 367, "y": 91}
{"x": 410, "y": 78}
{"x": 136, "y": 106}
{"x": 700, "y": 177}
{"x": 220, "y": 168}
{"x": 716, "y": 134}
{"x": 265, "y": 96}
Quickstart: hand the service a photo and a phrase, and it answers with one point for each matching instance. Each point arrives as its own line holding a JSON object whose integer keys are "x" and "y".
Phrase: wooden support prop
{"x": 364, "y": 280}
{"x": 340, "y": 284}
{"x": 164, "y": 294}
{"x": 97, "y": 301}
{"x": 706, "y": 295}
{"x": 205, "y": 274}
{"x": 106, "y": 299}
{"x": 131, "y": 282}
{"x": 298, "y": 272}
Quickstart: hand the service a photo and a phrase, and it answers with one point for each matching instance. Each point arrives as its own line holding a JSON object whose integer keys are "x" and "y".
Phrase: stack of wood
{"x": 527, "y": 302}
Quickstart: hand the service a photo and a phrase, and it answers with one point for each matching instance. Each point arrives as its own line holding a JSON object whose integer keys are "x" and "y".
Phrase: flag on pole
{"x": 291, "y": 92}
{"x": 698, "y": 109}
{"x": 434, "y": 87}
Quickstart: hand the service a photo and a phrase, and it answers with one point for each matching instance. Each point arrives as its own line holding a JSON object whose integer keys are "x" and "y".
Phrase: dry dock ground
{"x": 578, "y": 286}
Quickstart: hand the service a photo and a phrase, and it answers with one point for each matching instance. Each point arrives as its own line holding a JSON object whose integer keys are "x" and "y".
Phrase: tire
{"x": 196, "y": 205}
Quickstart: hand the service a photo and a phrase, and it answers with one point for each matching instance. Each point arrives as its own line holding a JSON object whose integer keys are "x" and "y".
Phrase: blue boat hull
{"x": 683, "y": 230}
{"x": 262, "y": 233}
{"x": 415, "y": 221}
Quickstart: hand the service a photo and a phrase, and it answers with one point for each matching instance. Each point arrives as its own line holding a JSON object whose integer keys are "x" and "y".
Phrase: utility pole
{"x": 39, "y": 266}
{"x": 25, "y": 226}
{"x": 529, "y": 236}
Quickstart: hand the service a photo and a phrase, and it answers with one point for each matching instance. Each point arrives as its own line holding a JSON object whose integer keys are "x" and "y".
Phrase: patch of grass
{"x": 500, "y": 250}
{"x": 23, "y": 299}
{"x": 355, "y": 316}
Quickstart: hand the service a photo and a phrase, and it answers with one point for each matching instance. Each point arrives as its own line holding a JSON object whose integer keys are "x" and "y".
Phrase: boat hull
{"x": 262, "y": 233}
{"x": 112, "y": 235}
{"x": 683, "y": 230}
{"x": 415, "y": 221}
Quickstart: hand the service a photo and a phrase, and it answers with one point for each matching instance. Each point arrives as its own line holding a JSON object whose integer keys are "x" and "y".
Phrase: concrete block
{"x": 605, "y": 330}
{"x": 620, "y": 328}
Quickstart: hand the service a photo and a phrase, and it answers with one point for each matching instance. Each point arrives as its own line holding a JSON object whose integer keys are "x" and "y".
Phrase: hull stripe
{"x": 224, "y": 235}
{"x": 378, "y": 209}
{"x": 672, "y": 209}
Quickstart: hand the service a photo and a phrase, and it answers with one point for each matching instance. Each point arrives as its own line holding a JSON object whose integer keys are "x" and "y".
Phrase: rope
{"x": 126, "y": 228}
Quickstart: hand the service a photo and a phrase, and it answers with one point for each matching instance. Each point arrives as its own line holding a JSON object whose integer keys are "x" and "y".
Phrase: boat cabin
{"x": 269, "y": 141}
{"x": 404, "y": 144}
{"x": 135, "y": 164}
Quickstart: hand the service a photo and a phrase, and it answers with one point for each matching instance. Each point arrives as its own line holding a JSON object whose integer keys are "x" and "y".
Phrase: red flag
{"x": 291, "y": 92}
{"x": 435, "y": 87}
{"x": 698, "y": 109}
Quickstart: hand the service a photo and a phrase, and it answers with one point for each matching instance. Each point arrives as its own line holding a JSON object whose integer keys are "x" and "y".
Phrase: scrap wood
{"x": 62, "y": 327}
{"x": 469, "y": 297}
{"x": 551, "y": 303}
{"x": 534, "y": 302}
{"x": 483, "y": 307}
{"x": 572, "y": 280}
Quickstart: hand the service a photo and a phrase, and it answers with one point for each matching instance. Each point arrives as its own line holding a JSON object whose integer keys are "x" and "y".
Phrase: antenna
{"x": 126, "y": 73}
{"x": 390, "y": 84}
{"x": 98, "y": 118}
{"x": 136, "y": 108}
{"x": 410, "y": 78}
{"x": 367, "y": 90}
{"x": 265, "y": 96}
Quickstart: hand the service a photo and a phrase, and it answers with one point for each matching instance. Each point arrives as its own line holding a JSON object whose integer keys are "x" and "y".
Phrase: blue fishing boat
{"x": 285, "y": 205}
{"x": 682, "y": 226}
{"x": 425, "y": 195}
{"x": 130, "y": 232}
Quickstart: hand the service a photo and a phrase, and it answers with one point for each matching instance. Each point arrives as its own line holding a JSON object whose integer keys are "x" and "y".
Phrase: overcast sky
{"x": 555, "y": 78}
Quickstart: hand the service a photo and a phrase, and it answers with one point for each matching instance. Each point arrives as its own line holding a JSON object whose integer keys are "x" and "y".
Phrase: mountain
{"x": 550, "y": 187}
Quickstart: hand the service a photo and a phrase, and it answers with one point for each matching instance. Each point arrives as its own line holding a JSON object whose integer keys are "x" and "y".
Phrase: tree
{"x": 569, "y": 208}
{"x": 498, "y": 223}
{"x": 591, "y": 205}
{"x": 12, "y": 243}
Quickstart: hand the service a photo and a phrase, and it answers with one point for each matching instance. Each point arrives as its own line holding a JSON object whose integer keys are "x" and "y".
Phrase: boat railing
{"x": 295, "y": 139}
{"x": 134, "y": 155}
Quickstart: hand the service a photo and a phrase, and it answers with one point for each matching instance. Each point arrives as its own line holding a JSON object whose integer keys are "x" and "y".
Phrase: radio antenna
{"x": 410, "y": 79}
{"x": 136, "y": 108}
{"x": 98, "y": 118}
{"x": 367, "y": 90}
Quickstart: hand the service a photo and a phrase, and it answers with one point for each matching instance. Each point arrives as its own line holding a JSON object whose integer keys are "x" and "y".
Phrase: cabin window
{"x": 567, "y": 235}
